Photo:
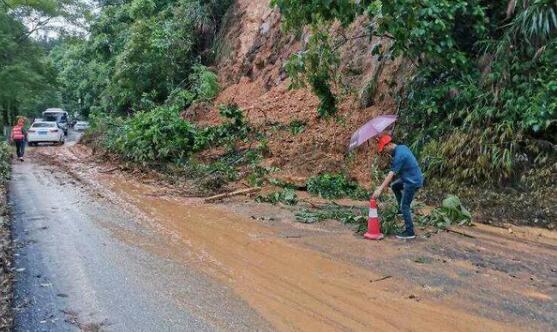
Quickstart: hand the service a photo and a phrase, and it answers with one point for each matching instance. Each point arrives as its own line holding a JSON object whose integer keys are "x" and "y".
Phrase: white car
{"x": 45, "y": 131}
{"x": 81, "y": 125}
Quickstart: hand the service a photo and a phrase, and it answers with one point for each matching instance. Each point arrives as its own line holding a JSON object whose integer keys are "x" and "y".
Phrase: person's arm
{"x": 383, "y": 185}
{"x": 396, "y": 166}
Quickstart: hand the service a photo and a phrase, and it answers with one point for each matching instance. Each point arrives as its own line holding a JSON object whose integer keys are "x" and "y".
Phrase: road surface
{"x": 72, "y": 274}
{"x": 103, "y": 249}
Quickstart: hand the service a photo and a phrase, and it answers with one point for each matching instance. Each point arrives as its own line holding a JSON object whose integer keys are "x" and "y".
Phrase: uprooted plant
{"x": 333, "y": 186}
{"x": 451, "y": 212}
{"x": 285, "y": 196}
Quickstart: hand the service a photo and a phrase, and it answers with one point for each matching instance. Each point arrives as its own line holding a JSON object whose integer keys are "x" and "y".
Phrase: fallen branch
{"x": 230, "y": 194}
{"x": 382, "y": 278}
{"x": 110, "y": 170}
{"x": 461, "y": 233}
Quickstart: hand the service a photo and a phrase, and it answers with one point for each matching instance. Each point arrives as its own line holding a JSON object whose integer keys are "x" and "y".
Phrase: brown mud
{"x": 323, "y": 277}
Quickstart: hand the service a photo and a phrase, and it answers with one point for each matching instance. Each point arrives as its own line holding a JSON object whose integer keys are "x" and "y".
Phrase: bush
{"x": 205, "y": 83}
{"x": 332, "y": 186}
{"x": 234, "y": 129}
{"x": 157, "y": 135}
{"x": 5, "y": 165}
{"x": 162, "y": 135}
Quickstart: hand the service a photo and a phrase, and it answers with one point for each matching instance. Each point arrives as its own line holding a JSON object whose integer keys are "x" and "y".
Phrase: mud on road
{"x": 123, "y": 249}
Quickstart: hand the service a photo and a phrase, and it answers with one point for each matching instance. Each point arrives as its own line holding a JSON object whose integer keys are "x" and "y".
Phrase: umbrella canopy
{"x": 371, "y": 129}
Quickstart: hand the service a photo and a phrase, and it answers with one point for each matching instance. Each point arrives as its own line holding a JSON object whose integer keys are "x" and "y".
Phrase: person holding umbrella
{"x": 409, "y": 178}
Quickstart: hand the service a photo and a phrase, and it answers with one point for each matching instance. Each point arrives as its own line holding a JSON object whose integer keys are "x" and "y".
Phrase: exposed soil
{"x": 251, "y": 68}
{"x": 323, "y": 276}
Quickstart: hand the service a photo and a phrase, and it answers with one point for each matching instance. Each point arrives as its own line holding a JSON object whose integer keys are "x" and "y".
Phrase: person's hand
{"x": 376, "y": 193}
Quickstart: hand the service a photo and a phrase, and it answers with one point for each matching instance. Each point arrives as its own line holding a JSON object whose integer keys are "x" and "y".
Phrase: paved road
{"x": 73, "y": 273}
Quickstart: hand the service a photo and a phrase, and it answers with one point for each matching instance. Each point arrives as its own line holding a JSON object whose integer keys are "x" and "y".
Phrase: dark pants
{"x": 20, "y": 147}
{"x": 404, "y": 195}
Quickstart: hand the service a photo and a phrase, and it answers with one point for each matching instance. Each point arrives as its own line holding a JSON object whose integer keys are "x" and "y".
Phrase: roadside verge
{"x": 5, "y": 242}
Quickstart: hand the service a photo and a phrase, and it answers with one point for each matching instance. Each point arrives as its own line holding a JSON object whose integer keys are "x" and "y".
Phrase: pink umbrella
{"x": 371, "y": 129}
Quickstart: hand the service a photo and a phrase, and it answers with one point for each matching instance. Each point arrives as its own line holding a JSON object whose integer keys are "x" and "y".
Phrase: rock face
{"x": 251, "y": 53}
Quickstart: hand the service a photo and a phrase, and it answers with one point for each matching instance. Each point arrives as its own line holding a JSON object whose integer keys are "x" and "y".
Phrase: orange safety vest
{"x": 17, "y": 133}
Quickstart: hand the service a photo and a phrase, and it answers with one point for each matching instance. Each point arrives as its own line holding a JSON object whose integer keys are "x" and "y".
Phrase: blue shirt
{"x": 405, "y": 166}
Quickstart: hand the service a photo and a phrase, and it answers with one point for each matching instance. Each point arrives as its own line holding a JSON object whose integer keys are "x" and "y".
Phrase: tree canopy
{"x": 28, "y": 81}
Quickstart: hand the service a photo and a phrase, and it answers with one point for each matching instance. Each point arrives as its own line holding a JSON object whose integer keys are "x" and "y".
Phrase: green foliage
{"x": 349, "y": 215}
{"x": 389, "y": 217}
{"x": 297, "y": 13}
{"x": 476, "y": 156}
{"x": 484, "y": 80}
{"x": 333, "y": 186}
{"x": 318, "y": 62}
{"x": 281, "y": 183}
{"x": 297, "y": 127}
{"x": 27, "y": 79}
{"x": 285, "y": 196}
{"x": 449, "y": 213}
{"x": 205, "y": 83}
{"x": 256, "y": 178}
{"x": 234, "y": 129}
{"x": 352, "y": 216}
{"x": 157, "y": 135}
{"x": 141, "y": 54}
{"x": 161, "y": 135}
{"x": 5, "y": 162}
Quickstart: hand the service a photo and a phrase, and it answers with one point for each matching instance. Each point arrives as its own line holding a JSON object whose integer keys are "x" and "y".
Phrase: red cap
{"x": 382, "y": 141}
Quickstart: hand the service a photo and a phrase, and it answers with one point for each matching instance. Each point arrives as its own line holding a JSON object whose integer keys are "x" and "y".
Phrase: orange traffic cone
{"x": 373, "y": 225}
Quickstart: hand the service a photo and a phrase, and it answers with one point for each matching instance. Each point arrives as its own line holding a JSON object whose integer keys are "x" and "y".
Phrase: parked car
{"x": 45, "y": 131}
{"x": 81, "y": 125}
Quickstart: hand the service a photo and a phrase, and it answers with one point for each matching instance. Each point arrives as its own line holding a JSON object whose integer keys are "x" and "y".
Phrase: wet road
{"x": 99, "y": 249}
{"x": 73, "y": 274}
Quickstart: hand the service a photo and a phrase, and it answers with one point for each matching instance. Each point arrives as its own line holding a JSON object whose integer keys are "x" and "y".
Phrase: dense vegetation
{"x": 27, "y": 78}
{"x": 481, "y": 104}
{"x": 141, "y": 54}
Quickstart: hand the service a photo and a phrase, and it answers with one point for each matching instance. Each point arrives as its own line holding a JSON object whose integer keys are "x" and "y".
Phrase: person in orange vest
{"x": 18, "y": 137}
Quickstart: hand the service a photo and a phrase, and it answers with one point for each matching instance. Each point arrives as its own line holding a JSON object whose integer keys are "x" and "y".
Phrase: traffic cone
{"x": 373, "y": 225}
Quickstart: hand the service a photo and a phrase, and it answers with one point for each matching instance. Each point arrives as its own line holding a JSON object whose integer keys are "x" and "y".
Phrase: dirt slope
{"x": 251, "y": 54}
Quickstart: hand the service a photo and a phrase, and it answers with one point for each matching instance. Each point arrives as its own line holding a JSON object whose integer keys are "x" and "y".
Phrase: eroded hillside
{"x": 252, "y": 51}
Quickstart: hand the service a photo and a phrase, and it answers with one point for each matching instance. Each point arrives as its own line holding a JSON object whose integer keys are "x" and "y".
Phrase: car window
{"x": 50, "y": 117}
{"x": 43, "y": 125}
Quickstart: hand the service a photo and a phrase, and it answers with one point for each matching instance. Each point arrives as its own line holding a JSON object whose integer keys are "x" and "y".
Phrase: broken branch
{"x": 230, "y": 194}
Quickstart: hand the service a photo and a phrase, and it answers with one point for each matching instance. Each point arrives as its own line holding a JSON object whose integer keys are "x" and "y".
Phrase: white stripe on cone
{"x": 373, "y": 213}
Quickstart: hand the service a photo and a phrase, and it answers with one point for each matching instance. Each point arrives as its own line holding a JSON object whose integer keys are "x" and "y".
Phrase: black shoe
{"x": 406, "y": 235}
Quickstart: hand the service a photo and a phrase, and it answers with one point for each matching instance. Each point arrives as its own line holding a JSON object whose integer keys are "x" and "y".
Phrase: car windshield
{"x": 57, "y": 117}
{"x": 43, "y": 125}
